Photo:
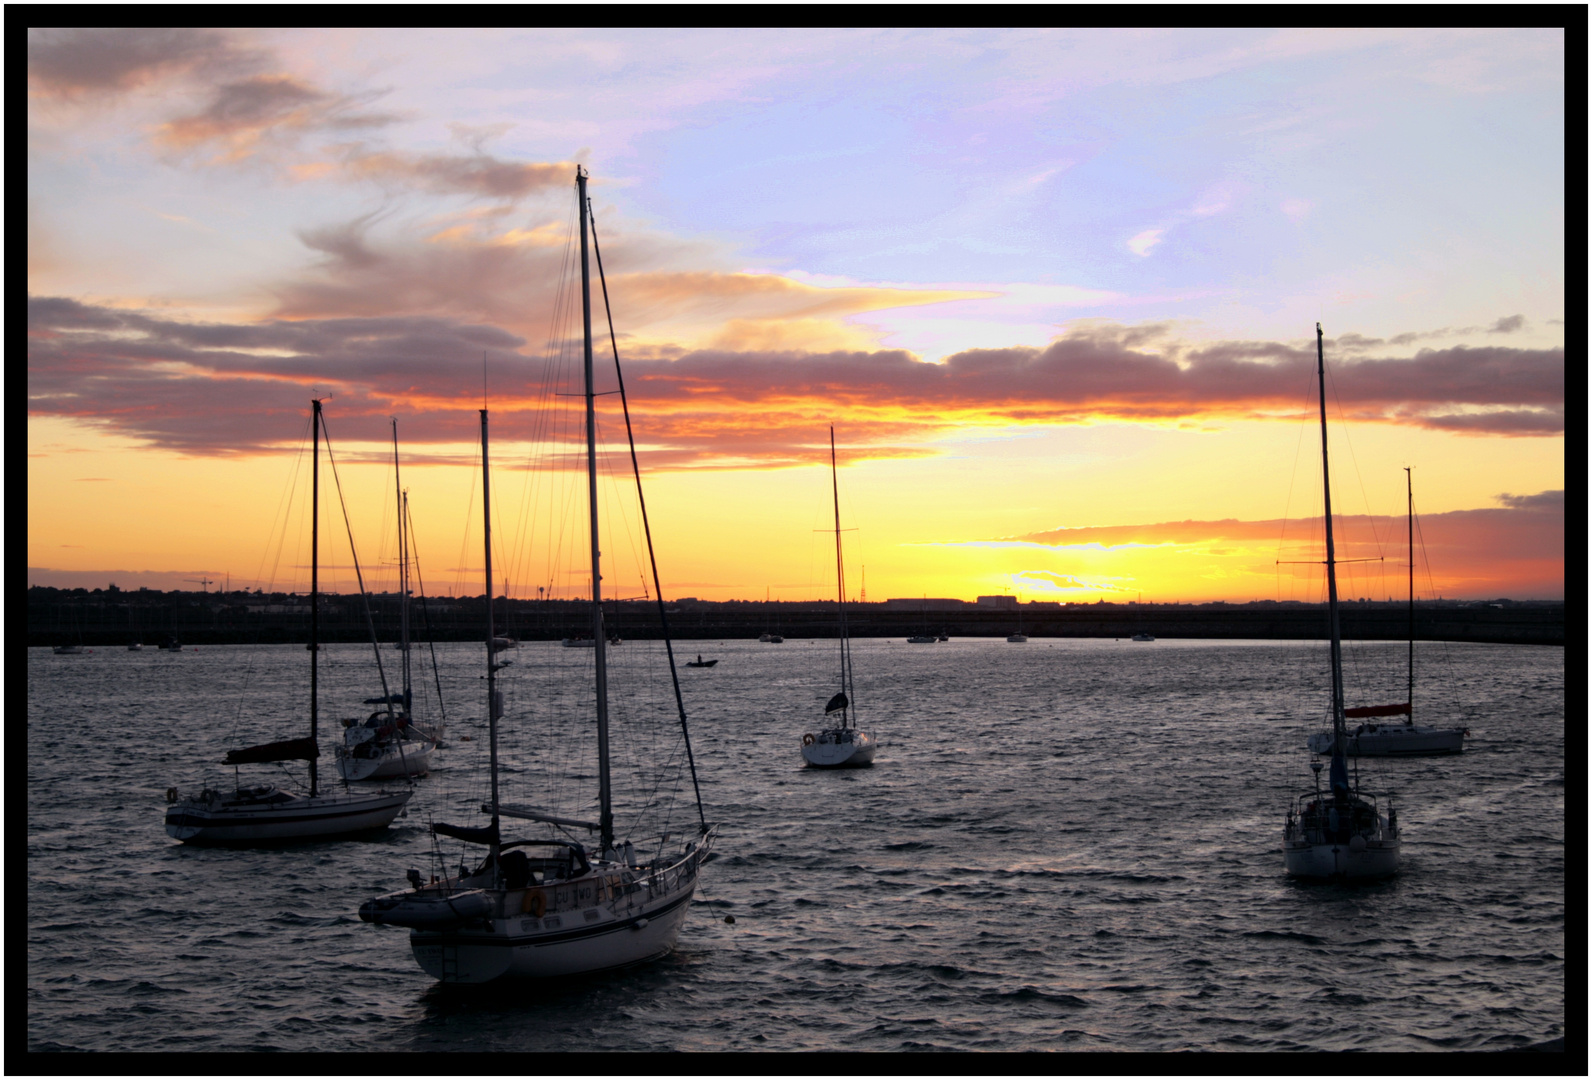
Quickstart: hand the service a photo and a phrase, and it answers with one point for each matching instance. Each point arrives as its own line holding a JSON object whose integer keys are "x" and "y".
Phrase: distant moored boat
{"x": 845, "y": 745}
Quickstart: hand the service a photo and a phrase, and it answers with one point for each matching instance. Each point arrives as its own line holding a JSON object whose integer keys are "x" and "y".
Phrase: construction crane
{"x": 206, "y": 582}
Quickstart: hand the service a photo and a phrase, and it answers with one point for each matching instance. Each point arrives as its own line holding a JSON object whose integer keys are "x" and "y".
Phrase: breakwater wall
{"x": 108, "y": 620}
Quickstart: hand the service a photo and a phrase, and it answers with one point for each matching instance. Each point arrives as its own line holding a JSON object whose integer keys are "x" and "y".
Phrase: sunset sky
{"x": 1056, "y": 291}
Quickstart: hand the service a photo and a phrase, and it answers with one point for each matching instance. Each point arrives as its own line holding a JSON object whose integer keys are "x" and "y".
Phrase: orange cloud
{"x": 208, "y": 388}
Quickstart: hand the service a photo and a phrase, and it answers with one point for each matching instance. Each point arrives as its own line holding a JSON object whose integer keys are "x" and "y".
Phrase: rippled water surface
{"x": 1069, "y": 844}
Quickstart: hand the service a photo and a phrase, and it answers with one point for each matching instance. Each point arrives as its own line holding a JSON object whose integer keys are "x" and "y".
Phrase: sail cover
{"x": 1338, "y": 775}
{"x": 1377, "y": 710}
{"x": 484, "y": 835}
{"x": 839, "y": 701}
{"x": 286, "y": 750}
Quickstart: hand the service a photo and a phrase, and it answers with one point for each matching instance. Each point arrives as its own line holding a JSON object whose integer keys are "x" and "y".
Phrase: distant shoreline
{"x": 111, "y": 620}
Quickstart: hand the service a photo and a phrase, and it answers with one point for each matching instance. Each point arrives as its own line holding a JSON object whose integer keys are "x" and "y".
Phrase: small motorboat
{"x": 699, "y": 662}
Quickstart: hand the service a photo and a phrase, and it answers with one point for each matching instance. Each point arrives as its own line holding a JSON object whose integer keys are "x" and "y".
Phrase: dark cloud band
{"x": 217, "y": 388}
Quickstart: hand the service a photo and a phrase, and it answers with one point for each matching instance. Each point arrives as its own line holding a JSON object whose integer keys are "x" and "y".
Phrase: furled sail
{"x": 1402, "y": 709}
{"x": 286, "y": 750}
{"x": 839, "y": 701}
{"x": 483, "y": 835}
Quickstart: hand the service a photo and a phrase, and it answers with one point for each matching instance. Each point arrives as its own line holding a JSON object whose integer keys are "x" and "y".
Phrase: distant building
{"x": 999, "y": 603}
{"x": 1043, "y": 603}
{"x": 921, "y": 603}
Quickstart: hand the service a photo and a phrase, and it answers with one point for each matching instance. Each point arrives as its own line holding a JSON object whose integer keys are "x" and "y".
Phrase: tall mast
{"x": 403, "y": 569}
{"x": 315, "y": 586}
{"x": 641, "y": 501}
{"x": 403, "y": 556}
{"x": 1409, "y": 691}
{"x": 598, "y": 632}
{"x": 1340, "y": 771}
{"x": 494, "y": 707}
{"x": 840, "y": 579}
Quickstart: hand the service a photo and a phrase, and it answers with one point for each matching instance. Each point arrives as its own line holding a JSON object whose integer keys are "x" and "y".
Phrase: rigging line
{"x": 1445, "y": 657}
{"x": 358, "y": 575}
{"x": 524, "y": 537}
{"x": 663, "y": 612}
{"x": 551, "y": 427}
{"x": 840, "y": 576}
{"x": 617, "y": 508}
{"x": 284, "y": 501}
{"x": 425, "y": 617}
{"x": 1365, "y": 500}
{"x": 460, "y": 563}
{"x": 1293, "y": 477}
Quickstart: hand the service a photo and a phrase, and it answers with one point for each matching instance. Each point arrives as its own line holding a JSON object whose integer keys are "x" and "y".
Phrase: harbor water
{"x": 1068, "y": 844}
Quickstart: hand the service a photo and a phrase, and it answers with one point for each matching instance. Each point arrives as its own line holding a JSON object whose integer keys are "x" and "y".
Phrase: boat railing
{"x": 1312, "y": 815}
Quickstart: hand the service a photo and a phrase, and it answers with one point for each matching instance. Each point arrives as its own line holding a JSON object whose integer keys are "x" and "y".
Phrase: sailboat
{"x": 72, "y": 648}
{"x": 264, "y": 813}
{"x": 845, "y": 745}
{"x": 924, "y": 638}
{"x": 388, "y": 744}
{"x": 1142, "y": 635}
{"x": 551, "y": 907}
{"x": 1018, "y": 638}
{"x": 1340, "y": 834}
{"x": 769, "y": 637}
{"x": 1395, "y": 739}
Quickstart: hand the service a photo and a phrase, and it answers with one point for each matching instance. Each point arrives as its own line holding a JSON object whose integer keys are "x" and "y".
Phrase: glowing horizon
{"x": 1054, "y": 368}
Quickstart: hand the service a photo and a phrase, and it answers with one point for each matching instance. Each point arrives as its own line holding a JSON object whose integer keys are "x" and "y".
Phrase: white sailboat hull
{"x": 1395, "y": 740}
{"x": 388, "y": 763}
{"x": 585, "y": 933}
{"x": 1350, "y": 840}
{"x": 1342, "y": 862}
{"x": 219, "y": 820}
{"x": 825, "y": 752}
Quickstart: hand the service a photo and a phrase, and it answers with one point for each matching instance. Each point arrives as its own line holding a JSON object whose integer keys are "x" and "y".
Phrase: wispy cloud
{"x": 1144, "y": 241}
{"x": 473, "y": 271}
{"x": 241, "y": 116}
{"x": 72, "y": 62}
{"x": 478, "y": 174}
